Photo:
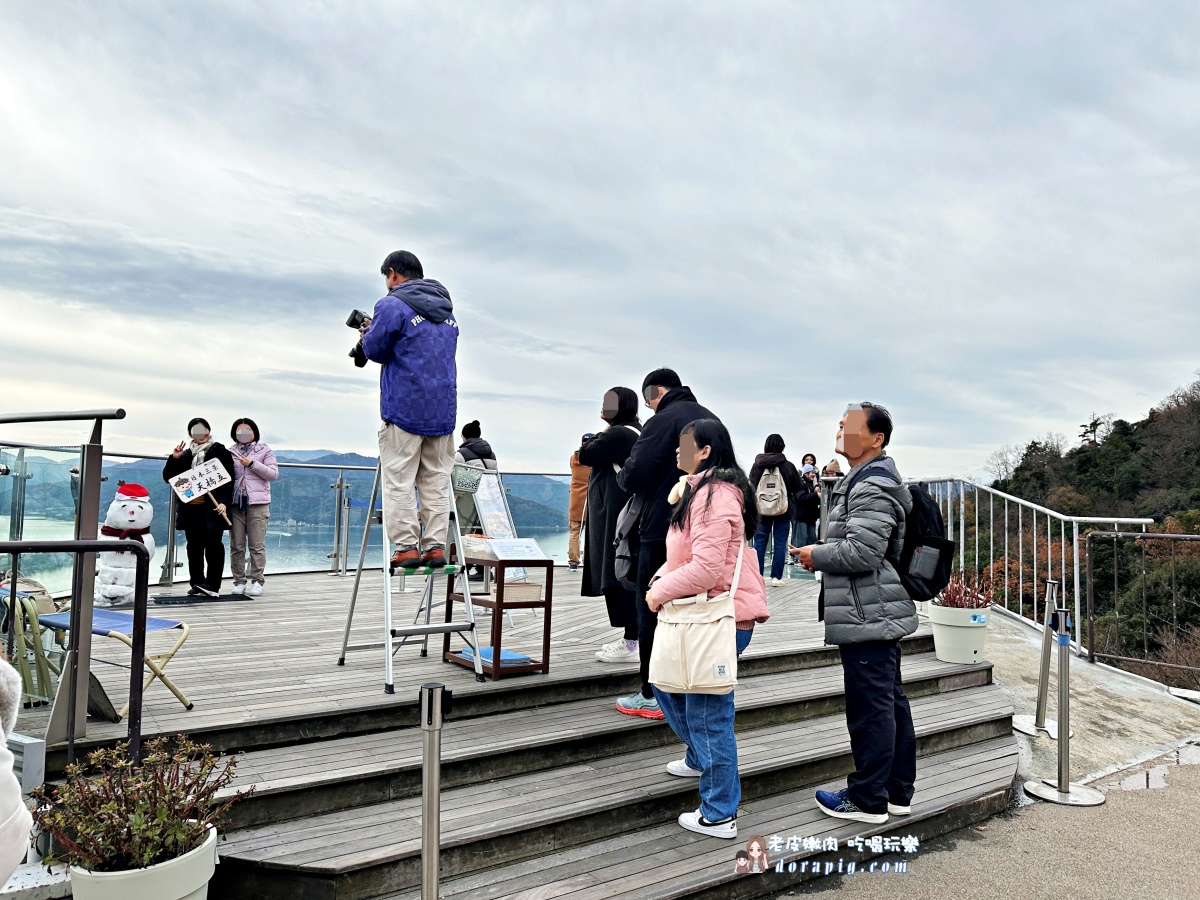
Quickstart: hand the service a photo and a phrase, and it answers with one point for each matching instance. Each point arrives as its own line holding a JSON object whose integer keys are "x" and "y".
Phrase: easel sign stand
{"x": 465, "y": 627}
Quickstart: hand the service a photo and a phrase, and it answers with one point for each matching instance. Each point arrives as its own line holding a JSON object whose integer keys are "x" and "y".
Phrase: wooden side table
{"x": 499, "y": 605}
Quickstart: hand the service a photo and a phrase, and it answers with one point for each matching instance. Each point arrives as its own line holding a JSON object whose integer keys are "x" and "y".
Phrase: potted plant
{"x": 138, "y": 829}
{"x": 959, "y": 618}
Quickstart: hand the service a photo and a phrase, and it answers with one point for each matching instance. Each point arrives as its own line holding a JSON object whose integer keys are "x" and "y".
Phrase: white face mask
{"x": 245, "y": 437}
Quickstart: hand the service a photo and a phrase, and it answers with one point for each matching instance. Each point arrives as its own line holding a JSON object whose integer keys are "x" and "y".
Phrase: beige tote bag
{"x": 695, "y": 642}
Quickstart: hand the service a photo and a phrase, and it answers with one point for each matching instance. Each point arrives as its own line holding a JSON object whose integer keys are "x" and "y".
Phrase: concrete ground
{"x": 1141, "y": 843}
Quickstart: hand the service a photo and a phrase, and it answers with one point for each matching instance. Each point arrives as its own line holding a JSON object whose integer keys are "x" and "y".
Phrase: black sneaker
{"x": 207, "y": 591}
{"x": 194, "y": 591}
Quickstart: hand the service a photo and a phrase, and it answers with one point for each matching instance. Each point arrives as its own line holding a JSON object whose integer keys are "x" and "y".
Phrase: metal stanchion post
{"x": 1063, "y": 791}
{"x": 1034, "y": 725}
{"x": 435, "y": 705}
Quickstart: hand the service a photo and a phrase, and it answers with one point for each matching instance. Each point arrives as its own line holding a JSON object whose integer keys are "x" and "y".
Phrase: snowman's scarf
{"x": 134, "y": 534}
{"x": 198, "y": 451}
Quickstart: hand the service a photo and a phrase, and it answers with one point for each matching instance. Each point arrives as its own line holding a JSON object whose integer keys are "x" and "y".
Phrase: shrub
{"x": 114, "y": 814}
{"x": 964, "y": 593}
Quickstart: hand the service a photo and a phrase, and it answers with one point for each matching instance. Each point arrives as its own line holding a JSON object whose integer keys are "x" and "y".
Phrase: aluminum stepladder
{"x": 465, "y": 627}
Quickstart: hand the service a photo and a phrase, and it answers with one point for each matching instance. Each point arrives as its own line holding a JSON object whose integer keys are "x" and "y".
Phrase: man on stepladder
{"x": 413, "y": 335}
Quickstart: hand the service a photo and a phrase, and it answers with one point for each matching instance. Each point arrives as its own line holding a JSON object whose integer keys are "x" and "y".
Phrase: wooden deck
{"x": 273, "y": 659}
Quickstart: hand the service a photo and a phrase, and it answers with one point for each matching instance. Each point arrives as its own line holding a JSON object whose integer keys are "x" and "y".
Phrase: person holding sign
{"x": 202, "y": 520}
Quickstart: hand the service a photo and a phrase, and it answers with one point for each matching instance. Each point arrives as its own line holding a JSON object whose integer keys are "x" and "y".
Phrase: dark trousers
{"x": 622, "y": 612}
{"x": 205, "y": 546}
{"x": 881, "y": 729}
{"x": 777, "y": 529}
{"x": 651, "y": 557}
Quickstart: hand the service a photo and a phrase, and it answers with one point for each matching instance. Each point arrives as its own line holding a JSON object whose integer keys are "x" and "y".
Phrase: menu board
{"x": 494, "y": 517}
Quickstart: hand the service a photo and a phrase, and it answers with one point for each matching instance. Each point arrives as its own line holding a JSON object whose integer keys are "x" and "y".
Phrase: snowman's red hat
{"x": 133, "y": 492}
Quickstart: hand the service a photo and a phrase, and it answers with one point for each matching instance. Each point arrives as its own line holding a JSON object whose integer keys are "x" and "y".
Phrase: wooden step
{"x": 343, "y": 773}
{"x": 954, "y": 788}
{"x": 368, "y": 851}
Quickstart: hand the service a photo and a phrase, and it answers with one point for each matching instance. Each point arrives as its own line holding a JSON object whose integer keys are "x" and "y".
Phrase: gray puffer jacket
{"x": 864, "y": 599}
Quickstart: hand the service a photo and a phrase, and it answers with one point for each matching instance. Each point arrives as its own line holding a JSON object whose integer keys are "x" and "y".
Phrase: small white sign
{"x": 517, "y": 548}
{"x": 199, "y": 481}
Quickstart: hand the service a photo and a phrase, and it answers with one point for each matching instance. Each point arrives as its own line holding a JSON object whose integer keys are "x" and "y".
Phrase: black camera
{"x": 357, "y": 319}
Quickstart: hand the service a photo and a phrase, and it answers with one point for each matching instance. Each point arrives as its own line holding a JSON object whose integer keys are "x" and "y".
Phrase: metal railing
{"x": 75, "y": 668}
{"x": 1010, "y": 545}
{"x": 1166, "y": 636}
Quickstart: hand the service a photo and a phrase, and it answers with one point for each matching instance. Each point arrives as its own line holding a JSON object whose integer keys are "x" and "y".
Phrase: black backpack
{"x": 927, "y": 554}
{"x": 627, "y": 543}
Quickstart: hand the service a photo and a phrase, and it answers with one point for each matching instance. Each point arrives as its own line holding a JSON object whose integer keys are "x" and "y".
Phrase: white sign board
{"x": 199, "y": 481}
{"x": 517, "y": 548}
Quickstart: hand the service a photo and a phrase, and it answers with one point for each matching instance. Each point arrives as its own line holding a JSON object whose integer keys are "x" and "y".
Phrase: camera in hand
{"x": 357, "y": 319}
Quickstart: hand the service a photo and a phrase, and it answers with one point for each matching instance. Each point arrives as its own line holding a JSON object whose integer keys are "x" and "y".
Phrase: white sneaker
{"x": 693, "y": 821}
{"x": 896, "y": 810}
{"x": 239, "y": 588}
{"x": 255, "y": 589}
{"x": 617, "y": 652}
{"x": 682, "y": 769}
{"x": 776, "y": 581}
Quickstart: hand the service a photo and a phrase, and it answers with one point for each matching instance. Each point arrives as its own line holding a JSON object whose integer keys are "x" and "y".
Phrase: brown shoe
{"x": 434, "y": 559}
{"x": 405, "y": 559}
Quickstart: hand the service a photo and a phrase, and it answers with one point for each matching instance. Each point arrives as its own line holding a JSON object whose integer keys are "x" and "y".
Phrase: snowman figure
{"x": 129, "y": 517}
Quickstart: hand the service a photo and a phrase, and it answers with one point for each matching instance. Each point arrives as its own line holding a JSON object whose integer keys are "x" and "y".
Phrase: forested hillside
{"x": 1145, "y": 468}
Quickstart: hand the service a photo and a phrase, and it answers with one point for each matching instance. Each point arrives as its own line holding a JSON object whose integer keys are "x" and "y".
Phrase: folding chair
{"x": 119, "y": 625}
{"x": 37, "y": 684}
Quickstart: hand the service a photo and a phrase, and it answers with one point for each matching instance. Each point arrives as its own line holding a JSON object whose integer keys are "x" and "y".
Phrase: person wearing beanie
{"x": 474, "y": 450}
{"x": 576, "y": 508}
{"x": 202, "y": 522}
{"x": 650, "y": 473}
{"x": 807, "y": 508}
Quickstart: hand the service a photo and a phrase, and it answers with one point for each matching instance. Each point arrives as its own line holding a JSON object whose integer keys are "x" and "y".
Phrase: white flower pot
{"x": 183, "y": 878}
{"x": 958, "y": 634}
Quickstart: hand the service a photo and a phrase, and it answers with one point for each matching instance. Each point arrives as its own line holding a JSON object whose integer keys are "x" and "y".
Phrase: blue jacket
{"x": 414, "y": 336}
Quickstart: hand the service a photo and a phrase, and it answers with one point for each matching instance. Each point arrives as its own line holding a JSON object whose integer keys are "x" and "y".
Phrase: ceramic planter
{"x": 183, "y": 878}
{"x": 958, "y": 634}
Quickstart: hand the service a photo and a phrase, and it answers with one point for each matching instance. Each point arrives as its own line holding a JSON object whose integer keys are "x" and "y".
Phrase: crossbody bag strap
{"x": 737, "y": 570}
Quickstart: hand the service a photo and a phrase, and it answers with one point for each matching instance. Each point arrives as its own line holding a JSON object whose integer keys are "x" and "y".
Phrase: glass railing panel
{"x": 539, "y": 505}
{"x": 38, "y": 500}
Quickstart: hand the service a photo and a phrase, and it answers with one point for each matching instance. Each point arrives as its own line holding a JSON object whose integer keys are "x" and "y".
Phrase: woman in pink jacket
{"x": 254, "y": 468}
{"x": 714, "y": 515}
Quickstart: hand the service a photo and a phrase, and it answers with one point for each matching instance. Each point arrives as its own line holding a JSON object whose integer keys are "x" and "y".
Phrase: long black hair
{"x": 720, "y": 465}
{"x": 627, "y": 407}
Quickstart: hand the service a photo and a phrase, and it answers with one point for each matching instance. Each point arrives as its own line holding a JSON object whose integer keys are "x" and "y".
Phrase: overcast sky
{"x": 984, "y": 216}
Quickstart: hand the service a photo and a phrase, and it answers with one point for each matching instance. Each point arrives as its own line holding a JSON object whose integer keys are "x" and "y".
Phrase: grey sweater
{"x": 864, "y": 598}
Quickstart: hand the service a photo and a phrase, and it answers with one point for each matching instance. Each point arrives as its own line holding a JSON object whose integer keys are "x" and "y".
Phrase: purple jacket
{"x": 254, "y": 480}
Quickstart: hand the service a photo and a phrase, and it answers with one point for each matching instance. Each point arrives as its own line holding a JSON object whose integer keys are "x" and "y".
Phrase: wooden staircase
{"x": 548, "y": 791}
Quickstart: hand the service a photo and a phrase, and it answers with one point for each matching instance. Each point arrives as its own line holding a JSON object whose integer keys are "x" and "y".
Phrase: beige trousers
{"x": 573, "y": 544}
{"x": 247, "y": 538}
{"x": 407, "y": 460}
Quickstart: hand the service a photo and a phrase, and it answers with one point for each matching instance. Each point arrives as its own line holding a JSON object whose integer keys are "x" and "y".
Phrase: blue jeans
{"x": 704, "y": 722}
{"x": 804, "y": 533}
{"x": 778, "y": 529}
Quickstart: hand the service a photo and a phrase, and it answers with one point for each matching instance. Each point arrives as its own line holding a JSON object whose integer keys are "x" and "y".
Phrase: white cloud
{"x": 984, "y": 217}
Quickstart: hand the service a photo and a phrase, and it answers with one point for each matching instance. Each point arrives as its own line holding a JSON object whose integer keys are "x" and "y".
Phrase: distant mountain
{"x": 342, "y": 459}
{"x": 301, "y": 455}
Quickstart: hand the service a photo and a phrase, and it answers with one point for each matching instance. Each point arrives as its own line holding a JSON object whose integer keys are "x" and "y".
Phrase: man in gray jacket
{"x": 867, "y": 612}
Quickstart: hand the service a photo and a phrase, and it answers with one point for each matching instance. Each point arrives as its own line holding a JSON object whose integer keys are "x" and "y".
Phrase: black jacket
{"x": 604, "y": 501}
{"x": 224, "y": 494}
{"x": 650, "y": 470}
{"x": 791, "y": 478}
{"x": 806, "y": 502}
{"x": 476, "y": 449}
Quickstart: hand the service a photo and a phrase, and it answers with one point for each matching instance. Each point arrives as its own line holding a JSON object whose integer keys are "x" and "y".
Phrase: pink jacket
{"x": 702, "y": 555}
{"x": 254, "y": 480}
